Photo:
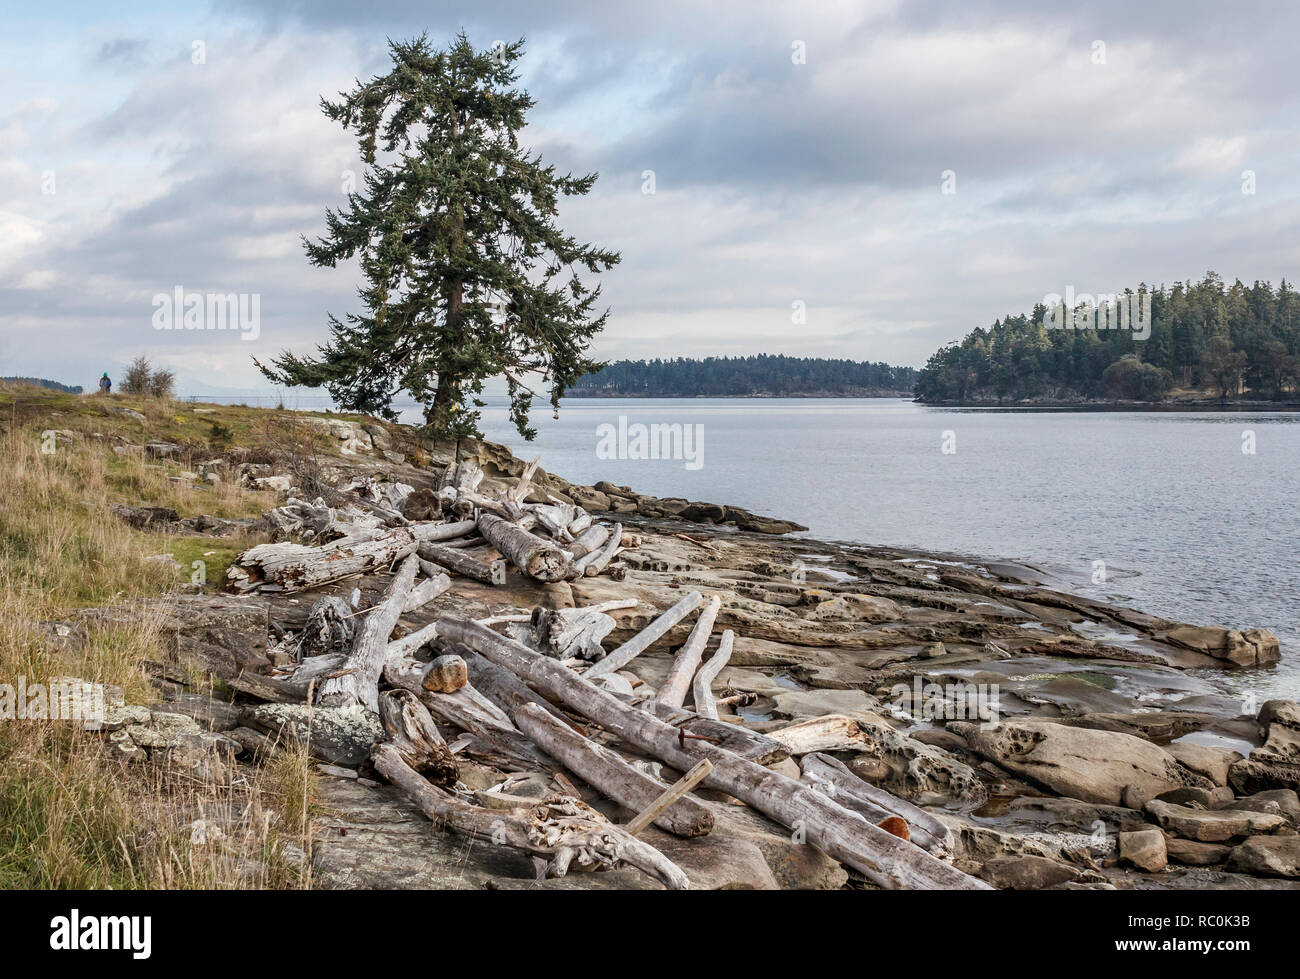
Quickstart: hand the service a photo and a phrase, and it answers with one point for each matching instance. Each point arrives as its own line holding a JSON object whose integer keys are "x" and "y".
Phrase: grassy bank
{"x": 71, "y": 814}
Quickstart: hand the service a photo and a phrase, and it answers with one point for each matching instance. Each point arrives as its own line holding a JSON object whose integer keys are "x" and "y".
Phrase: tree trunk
{"x": 370, "y": 648}
{"x": 673, "y": 690}
{"x": 413, "y": 733}
{"x": 836, "y": 831}
{"x": 463, "y": 564}
{"x": 607, "y": 772}
{"x": 560, "y": 830}
{"x": 702, "y": 686}
{"x": 638, "y": 644}
{"x": 538, "y": 559}
{"x": 832, "y": 776}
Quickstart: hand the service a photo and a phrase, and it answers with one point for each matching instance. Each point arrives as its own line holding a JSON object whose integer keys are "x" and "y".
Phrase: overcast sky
{"x": 1096, "y": 145}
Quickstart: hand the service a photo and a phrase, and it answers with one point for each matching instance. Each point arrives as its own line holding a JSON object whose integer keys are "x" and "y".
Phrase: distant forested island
{"x": 1206, "y": 341}
{"x": 45, "y": 383}
{"x": 760, "y": 376}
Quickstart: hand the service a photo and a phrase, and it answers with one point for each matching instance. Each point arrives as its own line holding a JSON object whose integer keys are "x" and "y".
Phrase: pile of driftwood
{"x": 449, "y": 529}
{"x": 534, "y": 700}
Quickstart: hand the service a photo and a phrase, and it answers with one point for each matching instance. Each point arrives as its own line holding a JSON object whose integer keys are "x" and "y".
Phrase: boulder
{"x": 1195, "y": 854}
{"x": 1276, "y": 764}
{"x": 1194, "y": 795}
{"x": 1027, "y": 873}
{"x": 1267, "y": 856}
{"x": 1144, "y": 849}
{"x": 351, "y": 437}
{"x": 1211, "y": 826}
{"x": 1255, "y": 647}
{"x": 338, "y": 735}
{"x": 1095, "y": 766}
{"x": 1208, "y": 760}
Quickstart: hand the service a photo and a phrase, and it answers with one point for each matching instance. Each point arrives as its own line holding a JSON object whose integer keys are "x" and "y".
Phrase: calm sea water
{"x": 1189, "y": 526}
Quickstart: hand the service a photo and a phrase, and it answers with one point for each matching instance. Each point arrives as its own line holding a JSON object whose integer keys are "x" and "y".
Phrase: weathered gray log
{"x": 370, "y": 648}
{"x": 686, "y": 662}
{"x": 497, "y": 740}
{"x": 502, "y": 687}
{"x": 607, "y": 772}
{"x": 409, "y": 645}
{"x": 594, "y": 563}
{"x": 292, "y": 567}
{"x": 560, "y": 830}
{"x": 445, "y": 531}
{"x": 465, "y": 707}
{"x": 314, "y": 667}
{"x": 838, "y": 832}
{"x": 508, "y": 692}
{"x": 295, "y": 567}
{"x": 634, "y": 647}
{"x": 758, "y": 748}
{"x": 536, "y": 558}
{"x": 329, "y": 628}
{"x": 702, "y": 685}
{"x": 672, "y": 795}
{"x": 580, "y": 522}
{"x": 833, "y": 777}
{"x": 275, "y": 690}
{"x": 412, "y": 732}
{"x": 463, "y": 564}
{"x": 425, "y": 592}
{"x": 589, "y": 540}
{"x": 571, "y": 632}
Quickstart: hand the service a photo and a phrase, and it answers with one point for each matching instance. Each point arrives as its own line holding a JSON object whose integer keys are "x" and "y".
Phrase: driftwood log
{"x": 464, "y": 565}
{"x": 702, "y": 685}
{"x": 593, "y": 563}
{"x": 411, "y": 731}
{"x": 365, "y": 662}
{"x": 687, "y": 661}
{"x": 292, "y": 567}
{"x": 833, "y": 777}
{"x": 606, "y": 771}
{"x": 536, "y": 558}
{"x": 634, "y": 647}
{"x": 589, "y": 540}
{"x": 562, "y": 831}
{"x": 838, "y": 832}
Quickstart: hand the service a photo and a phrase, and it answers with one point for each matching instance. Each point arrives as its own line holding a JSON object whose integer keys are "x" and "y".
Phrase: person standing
{"x": 106, "y": 384}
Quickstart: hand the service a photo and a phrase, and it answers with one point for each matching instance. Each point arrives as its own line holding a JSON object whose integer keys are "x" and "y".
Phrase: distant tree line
{"x": 1205, "y": 336}
{"x": 44, "y": 383}
{"x": 763, "y": 375}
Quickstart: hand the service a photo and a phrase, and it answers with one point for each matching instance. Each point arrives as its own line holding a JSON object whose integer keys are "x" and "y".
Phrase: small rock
{"x": 1144, "y": 849}
{"x": 1027, "y": 873}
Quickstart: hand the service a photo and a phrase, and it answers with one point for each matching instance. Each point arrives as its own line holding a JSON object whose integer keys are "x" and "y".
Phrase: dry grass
{"x": 71, "y": 814}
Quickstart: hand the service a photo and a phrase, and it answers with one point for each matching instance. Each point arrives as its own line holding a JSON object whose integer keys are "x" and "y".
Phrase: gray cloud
{"x": 776, "y": 181}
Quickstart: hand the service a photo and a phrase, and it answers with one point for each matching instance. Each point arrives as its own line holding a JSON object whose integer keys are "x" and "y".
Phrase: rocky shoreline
{"x": 1063, "y": 742}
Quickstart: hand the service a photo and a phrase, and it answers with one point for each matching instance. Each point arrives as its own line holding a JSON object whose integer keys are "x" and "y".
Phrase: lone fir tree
{"x": 467, "y": 275}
